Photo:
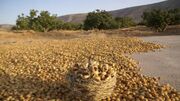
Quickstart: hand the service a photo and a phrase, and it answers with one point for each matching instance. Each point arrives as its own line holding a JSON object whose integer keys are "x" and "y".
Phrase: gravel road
{"x": 164, "y": 63}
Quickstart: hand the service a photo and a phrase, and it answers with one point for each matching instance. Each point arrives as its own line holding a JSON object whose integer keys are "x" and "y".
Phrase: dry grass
{"x": 67, "y": 34}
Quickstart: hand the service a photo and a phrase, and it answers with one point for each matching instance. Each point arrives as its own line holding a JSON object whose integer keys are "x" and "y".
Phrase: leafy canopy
{"x": 99, "y": 19}
{"x": 43, "y": 22}
{"x": 159, "y": 19}
{"x": 124, "y": 22}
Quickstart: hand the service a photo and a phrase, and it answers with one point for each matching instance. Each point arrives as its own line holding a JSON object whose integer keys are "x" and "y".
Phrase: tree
{"x": 157, "y": 19}
{"x": 32, "y": 18}
{"x": 174, "y": 15}
{"x": 43, "y": 22}
{"x": 124, "y": 22}
{"x": 99, "y": 20}
{"x": 39, "y": 22}
{"x": 46, "y": 21}
{"x": 22, "y": 22}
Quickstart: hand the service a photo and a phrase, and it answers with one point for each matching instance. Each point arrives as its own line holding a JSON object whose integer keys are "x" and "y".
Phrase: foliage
{"x": 174, "y": 15}
{"x": 124, "y": 22}
{"x": 71, "y": 26}
{"x": 22, "y": 22}
{"x": 99, "y": 19}
{"x": 157, "y": 19}
{"x": 43, "y": 22}
{"x": 160, "y": 19}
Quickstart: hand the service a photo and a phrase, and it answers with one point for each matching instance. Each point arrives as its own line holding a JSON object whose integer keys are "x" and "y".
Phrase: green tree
{"x": 157, "y": 19}
{"x": 71, "y": 26}
{"x": 39, "y": 22}
{"x": 32, "y": 18}
{"x": 22, "y": 22}
{"x": 46, "y": 21}
{"x": 174, "y": 15}
{"x": 124, "y": 22}
{"x": 99, "y": 20}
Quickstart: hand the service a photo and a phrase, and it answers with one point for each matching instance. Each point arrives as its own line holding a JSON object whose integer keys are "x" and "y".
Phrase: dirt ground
{"x": 164, "y": 63}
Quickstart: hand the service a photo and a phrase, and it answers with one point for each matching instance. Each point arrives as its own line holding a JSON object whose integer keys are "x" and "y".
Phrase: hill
{"x": 133, "y": 12}
{"x": 5, "y": 26}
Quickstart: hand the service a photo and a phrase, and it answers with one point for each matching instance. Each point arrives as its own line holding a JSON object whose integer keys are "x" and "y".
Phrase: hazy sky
{"x": 9, "y": 9}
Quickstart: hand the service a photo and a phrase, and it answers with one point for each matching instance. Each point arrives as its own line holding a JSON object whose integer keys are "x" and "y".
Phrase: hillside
{"x": 134, "y": 12}
{"x": 5, "y": 26}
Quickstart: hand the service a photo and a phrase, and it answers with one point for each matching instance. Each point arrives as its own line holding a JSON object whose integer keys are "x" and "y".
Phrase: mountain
{"x": 133, "y": 12}
{"x": 77, "y": 18}
{"x": 6, "y": 26}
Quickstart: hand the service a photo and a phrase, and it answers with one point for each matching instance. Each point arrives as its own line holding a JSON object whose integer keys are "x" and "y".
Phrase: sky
{"x": 10, "y": 9}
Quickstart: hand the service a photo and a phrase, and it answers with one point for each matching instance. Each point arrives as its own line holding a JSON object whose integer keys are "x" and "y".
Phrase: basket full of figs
{"x": 91, "y": 82}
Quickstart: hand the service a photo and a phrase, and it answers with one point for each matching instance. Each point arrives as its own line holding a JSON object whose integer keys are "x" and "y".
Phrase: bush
{"x": 99, "y": 20}
{"x": 43, "y": 22}
{"x": 174, "y": 15}
{"x": 124, "y": 22}
{"x": 157, "y": 19}
{"x": 160, "y": 19}
{"x": 22, "y": 22}
{"x": 71, "y": 26}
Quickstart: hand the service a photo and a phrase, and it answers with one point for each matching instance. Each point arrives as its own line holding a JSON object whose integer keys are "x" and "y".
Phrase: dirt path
{"x": 164, "y": 63}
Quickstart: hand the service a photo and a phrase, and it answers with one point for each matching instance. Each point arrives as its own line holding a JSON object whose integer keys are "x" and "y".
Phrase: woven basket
{"x": 89, "y": 89}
